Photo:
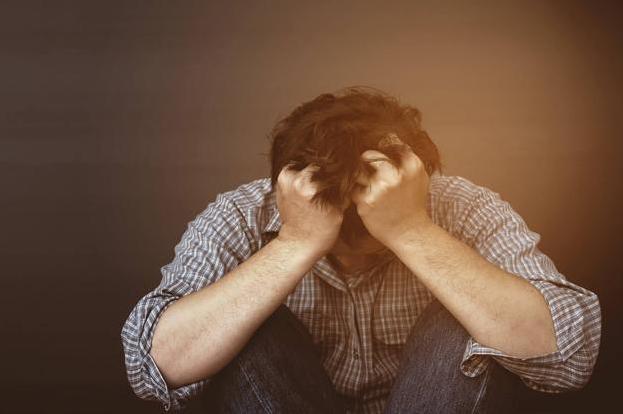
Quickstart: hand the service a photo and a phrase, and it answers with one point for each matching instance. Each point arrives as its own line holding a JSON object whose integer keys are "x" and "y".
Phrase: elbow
{"x": 172, "y": 378}
{"x": 544, "y": 336}
{"x": 581, "y": 381}
{"x": 559, "y": 384}
{"x": 573, "y": 373}
{"x": 573, "y": 381}
{"x": 166, "y": 361}
{"x": 532, "y": 339}
{"x": 178, "y": 363}
{"x": 138, "y": 369}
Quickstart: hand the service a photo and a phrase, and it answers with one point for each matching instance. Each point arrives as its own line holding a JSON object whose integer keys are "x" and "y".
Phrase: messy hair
{"x": 334, "y": 129}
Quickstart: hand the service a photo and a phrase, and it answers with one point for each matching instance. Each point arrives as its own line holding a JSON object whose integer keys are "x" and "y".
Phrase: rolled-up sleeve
{"x": 214, "y": 243}
{"x": 501, "y": 236}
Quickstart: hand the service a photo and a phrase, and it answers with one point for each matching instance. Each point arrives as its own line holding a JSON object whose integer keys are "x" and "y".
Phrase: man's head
{"x": 333, "y": 130}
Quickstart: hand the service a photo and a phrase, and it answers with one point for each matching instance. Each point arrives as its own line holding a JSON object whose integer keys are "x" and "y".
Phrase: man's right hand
{"x": 218, "y": 317}
{"x": 303, "y": 221}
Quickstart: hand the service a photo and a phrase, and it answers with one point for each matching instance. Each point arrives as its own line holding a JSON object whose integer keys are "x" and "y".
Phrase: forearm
{"x": 498, "y": 309}
{"x": 200, "y": 333}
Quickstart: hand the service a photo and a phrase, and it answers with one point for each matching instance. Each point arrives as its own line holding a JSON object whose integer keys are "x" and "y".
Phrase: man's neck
{"x": 350, "y": 264}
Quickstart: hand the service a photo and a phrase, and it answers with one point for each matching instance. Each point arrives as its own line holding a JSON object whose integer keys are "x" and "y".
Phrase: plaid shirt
{"x": 361, "y": 321}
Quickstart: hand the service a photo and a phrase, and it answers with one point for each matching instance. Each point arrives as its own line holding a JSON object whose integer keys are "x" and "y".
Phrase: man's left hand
{"x": 392, "y": 201}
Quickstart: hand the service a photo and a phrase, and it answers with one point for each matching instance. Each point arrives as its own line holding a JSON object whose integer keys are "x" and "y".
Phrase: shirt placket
{"x": 360, "y": 291}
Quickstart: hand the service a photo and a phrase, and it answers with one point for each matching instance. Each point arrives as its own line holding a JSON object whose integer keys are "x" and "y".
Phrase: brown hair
{"x": 333, "y": 130}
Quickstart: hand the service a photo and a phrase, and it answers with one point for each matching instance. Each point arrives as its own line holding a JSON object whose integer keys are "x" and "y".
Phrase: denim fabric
{"x": 430, "y": 381}
{"x": 280, "y": 371}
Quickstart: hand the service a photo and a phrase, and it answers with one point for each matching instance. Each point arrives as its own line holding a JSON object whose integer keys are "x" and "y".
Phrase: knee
{"x": 437, "y": 332}
{"x": 268, "y": 372}
{"x": 430, "y": 378}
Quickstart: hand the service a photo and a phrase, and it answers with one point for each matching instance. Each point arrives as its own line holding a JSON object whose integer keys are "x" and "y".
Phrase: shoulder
{"x": 251, "y": 205}
{"x": 456, "y": 189}
{"x": 249, "y": 195}
{"x": 457, "y": 204}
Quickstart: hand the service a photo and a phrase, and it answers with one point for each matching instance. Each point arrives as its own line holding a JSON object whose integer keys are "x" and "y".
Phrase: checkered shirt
{"x": 360, "y": 322}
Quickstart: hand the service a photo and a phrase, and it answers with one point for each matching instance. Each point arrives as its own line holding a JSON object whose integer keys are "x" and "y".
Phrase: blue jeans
{"x": 280, "y": 371}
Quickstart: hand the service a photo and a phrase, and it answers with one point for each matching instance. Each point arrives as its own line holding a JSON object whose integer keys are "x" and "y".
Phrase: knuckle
{"x": 298, "y": 184}
{"x": 308, "y": 194}
{"x": 304, "y": 188}
{"x": 394, "y": 180}
{"x": 417, "y": 163}
{"x": 281, "y": 181}
{"x": 407, "y": 174}
{"x": 384, "y": 186}
{"x": 363, "y": 208}
{"x": 283, "y": 176}
{"x": 369, "y": 201}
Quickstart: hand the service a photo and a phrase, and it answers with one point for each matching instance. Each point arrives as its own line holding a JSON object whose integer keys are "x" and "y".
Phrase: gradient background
{"x": 120, "y": 122}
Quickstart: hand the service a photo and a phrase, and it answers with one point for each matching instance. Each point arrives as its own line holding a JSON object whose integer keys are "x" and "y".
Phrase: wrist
{"x": 418, "y": 231}
{"x": 305, "y": 249}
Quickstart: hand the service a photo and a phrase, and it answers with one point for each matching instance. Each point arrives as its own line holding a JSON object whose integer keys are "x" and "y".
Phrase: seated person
{"x": 359, "y": 278}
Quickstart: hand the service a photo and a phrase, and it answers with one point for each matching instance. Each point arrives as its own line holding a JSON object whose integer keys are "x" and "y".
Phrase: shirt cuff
{"x": 171, "y": 399}
{"x": 143, "y": 373}
{"x": 477, "y": 356}
{"x": 536, "y": 372}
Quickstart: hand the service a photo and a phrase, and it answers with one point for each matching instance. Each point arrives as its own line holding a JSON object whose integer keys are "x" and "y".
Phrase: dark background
{"x": 119, "y": 122}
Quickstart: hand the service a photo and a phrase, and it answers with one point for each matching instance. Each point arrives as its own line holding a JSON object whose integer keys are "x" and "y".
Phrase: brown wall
{"x": 119, "y": 123}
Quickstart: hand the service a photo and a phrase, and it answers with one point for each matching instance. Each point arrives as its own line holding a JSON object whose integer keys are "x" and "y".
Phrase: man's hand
{"x": 393, "y": 200}
{"x": 302, "y": 220}
{"x": 498, "y": 309}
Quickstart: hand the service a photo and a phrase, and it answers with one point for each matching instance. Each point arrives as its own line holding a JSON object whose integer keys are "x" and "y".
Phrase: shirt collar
{"x": 273, "y": 223}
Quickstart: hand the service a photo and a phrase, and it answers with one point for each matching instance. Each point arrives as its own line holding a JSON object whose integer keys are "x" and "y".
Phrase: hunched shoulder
{"x": 453, "y": 189}
{"x": 249, "y": 195}
{"x": 254, "y": 203}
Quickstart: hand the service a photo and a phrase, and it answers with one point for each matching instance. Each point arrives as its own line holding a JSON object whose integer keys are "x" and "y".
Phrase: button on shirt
{"x": 361, "y": 321}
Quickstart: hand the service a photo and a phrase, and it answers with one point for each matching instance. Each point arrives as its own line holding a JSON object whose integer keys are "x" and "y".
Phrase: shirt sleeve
{"x": 214, "y": 243}
{"x": 501, "y": 236}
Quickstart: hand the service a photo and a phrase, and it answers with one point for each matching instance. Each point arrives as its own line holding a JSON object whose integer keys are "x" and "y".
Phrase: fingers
{"x": 405, "y": 151}
{"x": 362, "y": 178}
{"x": 387, "y": 172}
{"x": 385, "y": 168}
{"x": 301, "y": 180}
{"x": 307, "y": 173}
{"x": 410, "y": 163}
{"x": 363, "y": 187}
{"x": 359, "y": 195}
{"x": 384, "y": 171}
{"x": 288, "y": 173}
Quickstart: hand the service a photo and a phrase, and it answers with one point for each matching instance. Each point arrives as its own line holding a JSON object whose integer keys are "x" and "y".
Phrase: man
{"x": 405, "y": 290}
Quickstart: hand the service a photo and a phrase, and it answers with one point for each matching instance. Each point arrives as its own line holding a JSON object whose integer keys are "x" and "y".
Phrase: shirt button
{"x": 356, "y": 355}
